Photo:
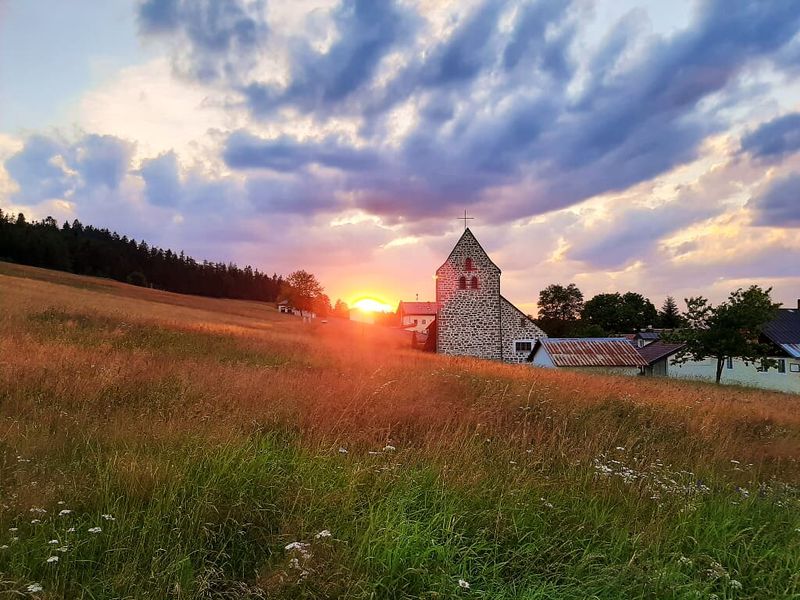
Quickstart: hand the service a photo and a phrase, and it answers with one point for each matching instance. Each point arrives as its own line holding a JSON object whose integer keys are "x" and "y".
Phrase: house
{"x": 782, "y": 334}
{"x": 643, "y": 338}
{"x": 657, "y": 355}
{"x": 284, "y": 307}
{"x": 472, "y": 317}
{"x": 605, "y": 355}
{"x": 416, "y": 316}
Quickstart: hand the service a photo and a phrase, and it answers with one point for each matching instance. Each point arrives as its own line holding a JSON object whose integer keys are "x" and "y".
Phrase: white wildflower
{"x": 63, "y": 549}
{"x": 389, "y": 448}
{"x": 621, "y": 448}
{"x": 299, "y": 546}
{"x": 34, "y": 588}
{"x": 13, "y": 529}
{"x": 109, "y": 518}
{"x": 52, "y": 559}
{"x": 294, "y": 564}
{"x": 342, "y": 450}
{"x": 4, "y": 547}
{"x": 14, "y": 539}
{"x": 735, "y": 462}
{"x": 64, "y": 512}
{"x": 464, "y": 585}
{"x": 61, "y": 503}
{"x": 95, "y": 530}
{"x": 53, "y": 542}
{"x": 35, "y": 521}
{"x": 71, "y": 530}
{"x": 735, "y": 584}
{"x": 323, "y": 534}
{"x": 38, "y": 510}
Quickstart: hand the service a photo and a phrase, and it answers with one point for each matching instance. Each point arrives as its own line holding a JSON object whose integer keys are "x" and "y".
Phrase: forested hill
{"x": 86, "y": 250}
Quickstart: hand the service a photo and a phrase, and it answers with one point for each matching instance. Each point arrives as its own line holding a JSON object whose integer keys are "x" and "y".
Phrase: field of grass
{"x": 161, "y": 446}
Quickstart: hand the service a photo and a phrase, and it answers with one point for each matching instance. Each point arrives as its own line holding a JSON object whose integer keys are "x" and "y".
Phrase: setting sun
{"x": 372, "y": 305}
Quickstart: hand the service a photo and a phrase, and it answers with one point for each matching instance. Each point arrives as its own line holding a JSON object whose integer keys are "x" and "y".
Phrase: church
{"x": 472, "y": 316}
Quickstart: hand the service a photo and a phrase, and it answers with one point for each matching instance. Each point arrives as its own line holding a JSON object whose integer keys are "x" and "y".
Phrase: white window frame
{"x": 522, "y": 341}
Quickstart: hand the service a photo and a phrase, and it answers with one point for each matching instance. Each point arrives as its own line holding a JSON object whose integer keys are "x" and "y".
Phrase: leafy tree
{"x": 619, "y": 313}
{"x": 341, "y": 310}
{"x": 559, "y": 306}
{"x": 669, "y": 316}
{"x": 302, "y": 290}
{"x": 730, "y": 330}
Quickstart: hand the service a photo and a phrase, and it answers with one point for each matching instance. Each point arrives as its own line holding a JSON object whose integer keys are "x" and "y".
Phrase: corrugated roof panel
{"x": 592, "y": 352}
{"x": 791, "y": 349}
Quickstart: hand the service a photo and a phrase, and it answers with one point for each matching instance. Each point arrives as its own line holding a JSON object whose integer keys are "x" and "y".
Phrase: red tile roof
{"x": 416, "y": 308}
{"x": 591, "y": 352}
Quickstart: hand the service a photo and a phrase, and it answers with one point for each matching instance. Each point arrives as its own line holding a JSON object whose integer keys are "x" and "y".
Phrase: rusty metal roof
{"x": 590, "y": 352}
{"x": 416, "y": 308}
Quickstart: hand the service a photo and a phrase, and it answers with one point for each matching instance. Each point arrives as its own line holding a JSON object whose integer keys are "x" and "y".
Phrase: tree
{"x": 619, "y": 313}
{"x": 669, "y": 316}
{"x": 559, "y": 306}
{"x": 301, "y": 289}
{"x": 730, "y": 330}
{"x": 341, "y": 310}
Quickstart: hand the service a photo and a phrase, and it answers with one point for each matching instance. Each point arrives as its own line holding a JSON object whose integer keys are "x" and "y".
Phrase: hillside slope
{"x": 154, "y": 445}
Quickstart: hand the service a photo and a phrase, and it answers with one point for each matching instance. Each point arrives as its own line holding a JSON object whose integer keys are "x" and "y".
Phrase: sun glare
{"x": 372, "y": 305}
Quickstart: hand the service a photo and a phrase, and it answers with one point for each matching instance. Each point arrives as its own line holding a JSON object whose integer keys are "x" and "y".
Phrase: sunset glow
{"x": 372, "y": 305}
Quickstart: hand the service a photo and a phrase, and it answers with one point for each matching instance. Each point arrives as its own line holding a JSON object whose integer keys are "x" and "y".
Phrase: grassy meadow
{"x": 161, "y": 446}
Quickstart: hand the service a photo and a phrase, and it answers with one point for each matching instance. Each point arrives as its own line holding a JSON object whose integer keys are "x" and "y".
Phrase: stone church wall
{"x": 468, "y": 320}
{"x": 516, "y": 326}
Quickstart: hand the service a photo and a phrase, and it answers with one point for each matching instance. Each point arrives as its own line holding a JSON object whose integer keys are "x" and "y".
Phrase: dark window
{"x": 424, "y": 321}
{"x": 523, "y": 346}
{"x": 462, "y": 283}
{"x": 729, "y": 362}
{"x": 763, "y": 366}
{"x": 474, "y": 283}
{"x": 523, "y": 322}
{"x": 415, "y": 321}
{"x": 781, "y": 365}
{"x": 468, "y": 265}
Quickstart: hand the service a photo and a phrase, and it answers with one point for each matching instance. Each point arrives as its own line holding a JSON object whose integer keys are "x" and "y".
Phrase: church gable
{"x": 473, "y": 319}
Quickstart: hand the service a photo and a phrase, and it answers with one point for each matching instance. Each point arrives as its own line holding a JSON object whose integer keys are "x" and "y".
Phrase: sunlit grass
{"x": 203, "y": 437}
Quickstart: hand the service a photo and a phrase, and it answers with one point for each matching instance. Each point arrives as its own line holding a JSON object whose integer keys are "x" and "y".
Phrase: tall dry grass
{"x": 217, "y": 413}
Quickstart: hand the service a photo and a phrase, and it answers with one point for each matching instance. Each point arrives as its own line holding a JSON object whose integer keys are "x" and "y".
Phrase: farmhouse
{"x": 472, "y": 317}
{"x": 657, "y": 354}
{"x": 603, "y": 355}
{"x": 781, "y": 373}
{"x": 416, "y": 316}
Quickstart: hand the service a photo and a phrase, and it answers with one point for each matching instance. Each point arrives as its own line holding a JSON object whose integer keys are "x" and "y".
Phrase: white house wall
{"x": 741, "y": 374}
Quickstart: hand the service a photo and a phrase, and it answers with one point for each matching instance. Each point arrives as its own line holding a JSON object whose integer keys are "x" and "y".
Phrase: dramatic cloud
{"x": 780, "y": 203}
{"x": 774, "y": 139}
{"x": 583, "y": 142}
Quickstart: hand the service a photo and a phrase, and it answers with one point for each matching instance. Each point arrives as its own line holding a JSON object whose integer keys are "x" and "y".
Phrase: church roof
{"x": 416, "y": 308}
{"x": 468, "y": 235}
{"x": 590, "y": 352}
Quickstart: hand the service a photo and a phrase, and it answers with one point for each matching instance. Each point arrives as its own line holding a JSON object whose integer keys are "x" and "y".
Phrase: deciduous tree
{"x": 730, "y": 330}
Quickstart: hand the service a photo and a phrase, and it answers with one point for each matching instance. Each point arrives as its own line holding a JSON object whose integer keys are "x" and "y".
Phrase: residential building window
{"x": 462, "y": 283}
{"x": 424, "y": 321}
{"x": 794, "y": 368}
{"x": 468, "y": 265}
{"x": 781, "y": 365}
{"x": 523, "y": 346}
{"x": 729, "y": 362}
{"x": 474, "y": 283}
{"x": 763, "y": 366}
{"x": 415, "y": 321}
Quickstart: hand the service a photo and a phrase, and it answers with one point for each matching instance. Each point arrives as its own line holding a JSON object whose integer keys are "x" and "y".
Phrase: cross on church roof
{"x": 465, "y": 218}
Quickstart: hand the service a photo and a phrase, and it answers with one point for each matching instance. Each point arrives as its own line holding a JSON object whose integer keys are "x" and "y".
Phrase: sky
{"x": 617, "y": 144}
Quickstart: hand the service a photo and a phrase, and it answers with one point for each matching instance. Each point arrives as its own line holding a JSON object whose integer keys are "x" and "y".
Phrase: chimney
{"x": 798, "y": 304}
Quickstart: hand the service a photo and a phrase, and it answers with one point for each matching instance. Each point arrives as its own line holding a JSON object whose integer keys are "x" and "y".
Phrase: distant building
{"x": 604, "y": 355}
{"x": 472, "y": 317}
{"x": 416, "y": 316}
{"x": 657, "y": 355}
{"x": 783, "y": 334}
{"x": 643, "y": 338}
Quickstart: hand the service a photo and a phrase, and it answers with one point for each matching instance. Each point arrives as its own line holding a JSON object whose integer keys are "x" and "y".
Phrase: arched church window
{"x": 468, "y": 265}
{"x": 474, "y": 283}
{"x": 462, "y": 283}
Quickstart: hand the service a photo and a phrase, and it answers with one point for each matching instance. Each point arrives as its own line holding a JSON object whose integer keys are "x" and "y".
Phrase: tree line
{"x": 563, "y": 313}
{"x": 87, "y": 250}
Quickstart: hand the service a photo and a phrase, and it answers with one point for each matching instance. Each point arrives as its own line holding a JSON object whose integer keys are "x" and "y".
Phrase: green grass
{"x": 193, "y": 520}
